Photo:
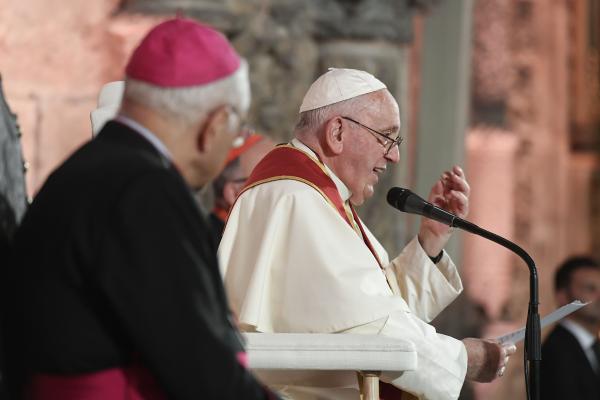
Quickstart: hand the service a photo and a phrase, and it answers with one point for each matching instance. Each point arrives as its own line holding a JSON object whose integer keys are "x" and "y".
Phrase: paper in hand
{"x": 556, "y": 315}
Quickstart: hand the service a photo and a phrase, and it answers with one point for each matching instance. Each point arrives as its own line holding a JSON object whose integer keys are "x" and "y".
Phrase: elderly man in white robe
{"x": 296, "y": 258}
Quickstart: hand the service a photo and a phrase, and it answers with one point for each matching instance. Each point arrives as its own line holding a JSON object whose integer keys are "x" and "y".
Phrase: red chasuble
{"x": 288, "y": 162}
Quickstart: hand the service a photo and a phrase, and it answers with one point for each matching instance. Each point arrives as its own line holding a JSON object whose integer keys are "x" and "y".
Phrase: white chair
{"x": 322, "y": 353}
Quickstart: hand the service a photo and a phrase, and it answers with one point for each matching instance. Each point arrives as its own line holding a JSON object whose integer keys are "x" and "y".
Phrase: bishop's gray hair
{"x": 193, "y": 103}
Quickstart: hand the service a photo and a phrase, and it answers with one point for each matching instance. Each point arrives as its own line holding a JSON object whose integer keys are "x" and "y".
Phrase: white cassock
{"x": 292, "y": 264}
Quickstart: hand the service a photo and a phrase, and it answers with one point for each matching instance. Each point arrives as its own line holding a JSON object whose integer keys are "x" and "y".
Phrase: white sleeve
{"x": 291, "y": 263}
{"x": 441, "y": 360}
{"x": 426, "y": 287}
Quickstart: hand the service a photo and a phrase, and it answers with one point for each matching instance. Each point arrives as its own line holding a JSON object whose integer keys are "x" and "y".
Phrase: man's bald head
{"x": 231, "y": 180}
{"x": 254, "y": 154}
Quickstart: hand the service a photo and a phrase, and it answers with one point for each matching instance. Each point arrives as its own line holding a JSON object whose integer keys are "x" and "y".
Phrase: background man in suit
{"x": 116, "y": 289}
{"x": 571, "y": 353}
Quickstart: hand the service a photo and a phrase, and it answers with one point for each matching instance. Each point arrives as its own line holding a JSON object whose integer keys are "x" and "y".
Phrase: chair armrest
{"x": 318, "y": 351}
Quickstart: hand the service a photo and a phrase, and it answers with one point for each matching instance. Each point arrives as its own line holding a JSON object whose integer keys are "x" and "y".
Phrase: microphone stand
{"x": 533, "y": 342}
{"x": 407, "y": 201}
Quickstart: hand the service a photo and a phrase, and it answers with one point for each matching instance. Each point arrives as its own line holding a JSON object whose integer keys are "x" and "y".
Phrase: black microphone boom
{"x": 406, "y": 201}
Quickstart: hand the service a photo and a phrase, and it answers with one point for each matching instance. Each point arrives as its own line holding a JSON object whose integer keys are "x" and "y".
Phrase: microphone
{"x": 409, "y": 202}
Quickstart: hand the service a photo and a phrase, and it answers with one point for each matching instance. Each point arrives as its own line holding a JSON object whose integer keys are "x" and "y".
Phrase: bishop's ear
{"x": 215, "y": 124}
{"x": 334, "y": 135}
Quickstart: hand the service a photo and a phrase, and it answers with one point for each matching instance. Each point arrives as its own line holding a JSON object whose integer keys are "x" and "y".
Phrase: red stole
{"x": 287, "y": 162}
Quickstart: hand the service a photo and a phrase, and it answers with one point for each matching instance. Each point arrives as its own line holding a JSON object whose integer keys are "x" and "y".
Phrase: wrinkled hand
{"x": 451, "y": 193}
{"x": 487, "y": 359}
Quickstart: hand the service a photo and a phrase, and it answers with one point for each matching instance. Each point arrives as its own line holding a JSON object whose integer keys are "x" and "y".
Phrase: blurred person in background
{"x": 571, "y": 352}
{"x": 247, "y": 151}
{"x": 116, "y": 292}
{"x": 109, "y": 102}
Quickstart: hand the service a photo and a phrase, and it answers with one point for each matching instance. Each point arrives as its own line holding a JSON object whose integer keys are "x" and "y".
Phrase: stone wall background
{"x": 289, "y": 43}
{"x": 54, "y": 67}
{"x": 532, "y": 111}
{"x": 53, "y": 59}
{"x": 530, "y": 151}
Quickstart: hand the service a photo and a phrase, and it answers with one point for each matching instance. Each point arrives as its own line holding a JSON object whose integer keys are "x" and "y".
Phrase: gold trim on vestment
{"x": 290, "y": 177}
{"x": 349, "y": 215}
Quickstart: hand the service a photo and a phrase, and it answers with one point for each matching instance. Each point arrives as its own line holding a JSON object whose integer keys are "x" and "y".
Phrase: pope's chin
{"x": 359, "y": 199}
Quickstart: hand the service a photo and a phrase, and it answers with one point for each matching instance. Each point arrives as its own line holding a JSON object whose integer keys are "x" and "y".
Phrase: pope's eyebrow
{"x": 391, "y": 130}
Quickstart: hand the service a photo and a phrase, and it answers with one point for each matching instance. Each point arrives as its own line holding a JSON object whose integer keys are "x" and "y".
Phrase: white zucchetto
{"x": 339, "y": 84}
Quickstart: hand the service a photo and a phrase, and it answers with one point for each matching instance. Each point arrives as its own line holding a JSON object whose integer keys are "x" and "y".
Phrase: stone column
{"x": 443, "y": 106}
{"x": 523, "y": 89}
{"x": 487, "y": 267}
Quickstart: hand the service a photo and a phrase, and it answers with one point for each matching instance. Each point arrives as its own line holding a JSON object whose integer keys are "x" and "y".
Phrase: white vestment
{"x": 292, "y": 264}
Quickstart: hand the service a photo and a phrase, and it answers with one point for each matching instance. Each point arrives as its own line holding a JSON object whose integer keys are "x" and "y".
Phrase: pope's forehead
{"x": 380, "y": 103}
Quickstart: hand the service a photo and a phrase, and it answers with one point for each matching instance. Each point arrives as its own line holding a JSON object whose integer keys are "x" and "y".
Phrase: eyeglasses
{"x": 388, "y": 143}
{"x": 244, "y": 130}
{"x": 241, "y": 124}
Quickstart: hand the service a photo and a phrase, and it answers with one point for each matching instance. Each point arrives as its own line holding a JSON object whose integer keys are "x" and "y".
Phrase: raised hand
{"x": 450, "y": 192}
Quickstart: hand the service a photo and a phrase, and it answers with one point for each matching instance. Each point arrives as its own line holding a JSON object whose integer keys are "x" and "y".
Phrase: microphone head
{"x": 396, "y": 197}
{"x": 406, "y": 201}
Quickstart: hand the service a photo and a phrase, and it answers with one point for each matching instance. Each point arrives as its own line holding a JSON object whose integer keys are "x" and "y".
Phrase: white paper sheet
{"x": 556, "y": 315}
